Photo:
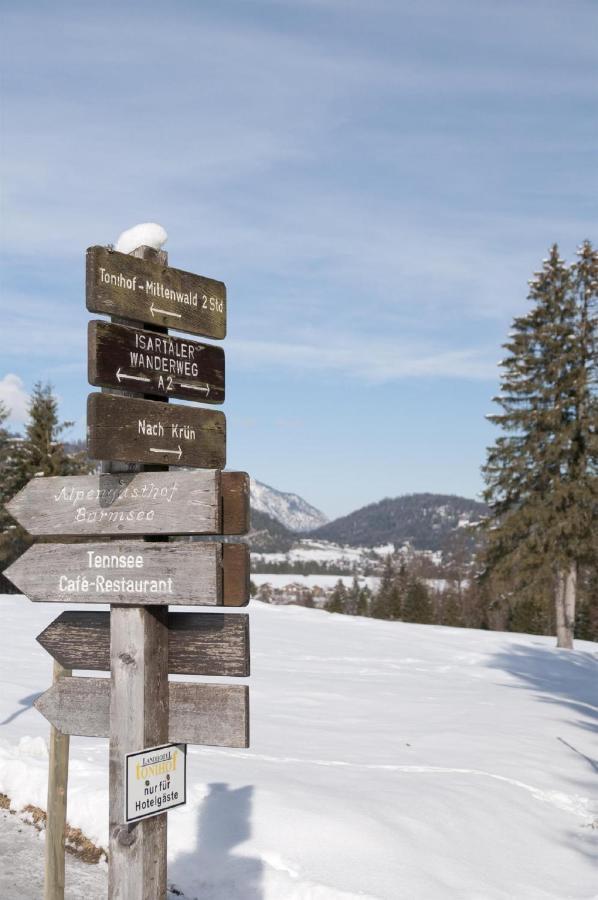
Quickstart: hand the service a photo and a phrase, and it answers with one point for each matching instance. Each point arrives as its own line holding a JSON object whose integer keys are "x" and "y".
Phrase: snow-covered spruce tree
{"x": 541, "y": 474}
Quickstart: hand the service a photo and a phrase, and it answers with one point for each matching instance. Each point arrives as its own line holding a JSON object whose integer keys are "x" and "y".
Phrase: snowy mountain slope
{"x": 388, "y": 761}
{"x": 289, "y": 509}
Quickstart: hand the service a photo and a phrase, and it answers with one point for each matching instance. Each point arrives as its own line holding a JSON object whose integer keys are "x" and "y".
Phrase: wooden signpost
{"x": 148, "y": 291}
{"x": 147, "y": 363}
{"x": 132, "y": 430}
{"x": 139, "y": 641}
{"x": 203, "y": 501}
{"x": 176, "y": 573}
{"x": 215, "y": 714}
{"x": 198, "y": 643}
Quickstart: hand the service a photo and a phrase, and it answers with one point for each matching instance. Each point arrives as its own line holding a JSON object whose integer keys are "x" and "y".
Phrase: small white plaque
{"x": 155, "y": 781}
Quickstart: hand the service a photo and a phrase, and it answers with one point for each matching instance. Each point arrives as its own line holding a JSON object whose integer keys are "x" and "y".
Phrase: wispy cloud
{"x": 369, "y": 362}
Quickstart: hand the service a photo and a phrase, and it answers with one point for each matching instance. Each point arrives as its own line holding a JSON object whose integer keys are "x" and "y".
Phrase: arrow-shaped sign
{"x": 135, "y": 573}
{"x": 175, "y": 502}
{"x": 198, "y": 643}
{"x": 212, "y": 714}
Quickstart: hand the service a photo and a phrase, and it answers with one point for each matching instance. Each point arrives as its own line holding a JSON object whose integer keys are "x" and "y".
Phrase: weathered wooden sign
{"x": 143, "y": 431}
{"x": 214, "y": 714}
{"x": 134, "y": 573}
{"x": 148, "y": 363}
{"x": 203, "y": 501}
{"x": 148, "y": 291}
{"x": 198, "y": 643}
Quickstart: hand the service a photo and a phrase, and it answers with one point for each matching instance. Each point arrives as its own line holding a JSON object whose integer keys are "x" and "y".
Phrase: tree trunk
{"x": 566, "y": 592}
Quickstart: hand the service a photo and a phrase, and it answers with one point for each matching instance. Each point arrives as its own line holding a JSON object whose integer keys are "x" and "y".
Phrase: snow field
{"x": 388, "y": 760}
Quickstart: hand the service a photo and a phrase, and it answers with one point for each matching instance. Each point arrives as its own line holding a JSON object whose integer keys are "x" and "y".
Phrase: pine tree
{"x": 417, "y": 605}
{"x": 363, "y": 604}
{"x": 450, "y": 609}
{"x": 338, "y": 598}
{"x": 352, "y": 603}
{"x": 39, "y": 452}
{"x": 541, "y": 475}
{"x": 387, "y": 601}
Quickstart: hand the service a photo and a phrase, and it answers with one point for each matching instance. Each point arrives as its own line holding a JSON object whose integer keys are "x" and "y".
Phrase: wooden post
{"x": 138, "y": 719}
{"x": 58, "y": 773}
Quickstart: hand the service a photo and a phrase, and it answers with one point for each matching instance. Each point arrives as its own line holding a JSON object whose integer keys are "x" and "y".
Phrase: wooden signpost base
{"x": 58, "y": 772}
{"x": 138, "y": 718}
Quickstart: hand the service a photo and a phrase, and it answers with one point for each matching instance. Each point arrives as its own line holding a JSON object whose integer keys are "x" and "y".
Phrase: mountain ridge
{"x": 425, "y": 520}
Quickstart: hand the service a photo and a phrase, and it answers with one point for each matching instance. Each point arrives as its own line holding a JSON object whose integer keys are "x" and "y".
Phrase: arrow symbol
{"x": 178, "y": 452}
{"x": 163, "y": 312}
{"x": 205, "y": 388}
{"x": 120, "y": 375}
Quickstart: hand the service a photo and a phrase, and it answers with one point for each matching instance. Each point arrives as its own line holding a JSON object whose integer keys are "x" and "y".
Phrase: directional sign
{"x": 143, "y": 431}
{"x": 214, "y": 714}
{"x": 147, "y": 291}
{"x": 148, "y": 363}
{"x": 202, "y": 501}
{"x": 134, "y": 573}
{"x": 198, "y": 643}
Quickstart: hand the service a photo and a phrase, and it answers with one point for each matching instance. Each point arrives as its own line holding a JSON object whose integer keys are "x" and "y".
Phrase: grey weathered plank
{"x": 177, "y": 502}
{"x": 134, "y": 573}
{"x": 142, "y": 431}
{"x": 149, "y": 291}
{"x": 211, "y": 714}
{"x": 148, "y": 363}
{"x": 198, "y": 643}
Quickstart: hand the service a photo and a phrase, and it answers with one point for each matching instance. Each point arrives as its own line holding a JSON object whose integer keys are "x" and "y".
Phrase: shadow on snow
{"x": 213, "y": 869}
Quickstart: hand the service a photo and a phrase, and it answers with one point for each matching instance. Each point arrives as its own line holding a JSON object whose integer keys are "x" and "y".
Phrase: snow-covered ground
{"x": 22, "y": 865}
{"x": 280, "y": 580}
{"x": 331, "y": 555}
{"x": 393, "y": 761}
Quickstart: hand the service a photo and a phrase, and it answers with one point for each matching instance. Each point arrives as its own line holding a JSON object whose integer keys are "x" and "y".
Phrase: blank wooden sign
{"x": 143, "y": 431}
{"x": 135, "y": 573}
{"x": 198, "y": 643}
{"x": 148, "y": 291}
{"x": 148, "y": 363}
{"x": 213, "y": 714}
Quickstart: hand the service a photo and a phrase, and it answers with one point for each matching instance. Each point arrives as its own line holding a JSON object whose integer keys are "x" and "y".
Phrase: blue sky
{"x": 375, "y": 182}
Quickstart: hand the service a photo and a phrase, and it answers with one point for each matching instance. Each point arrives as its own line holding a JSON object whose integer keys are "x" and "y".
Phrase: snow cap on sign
{"x": 148, "y": 234}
